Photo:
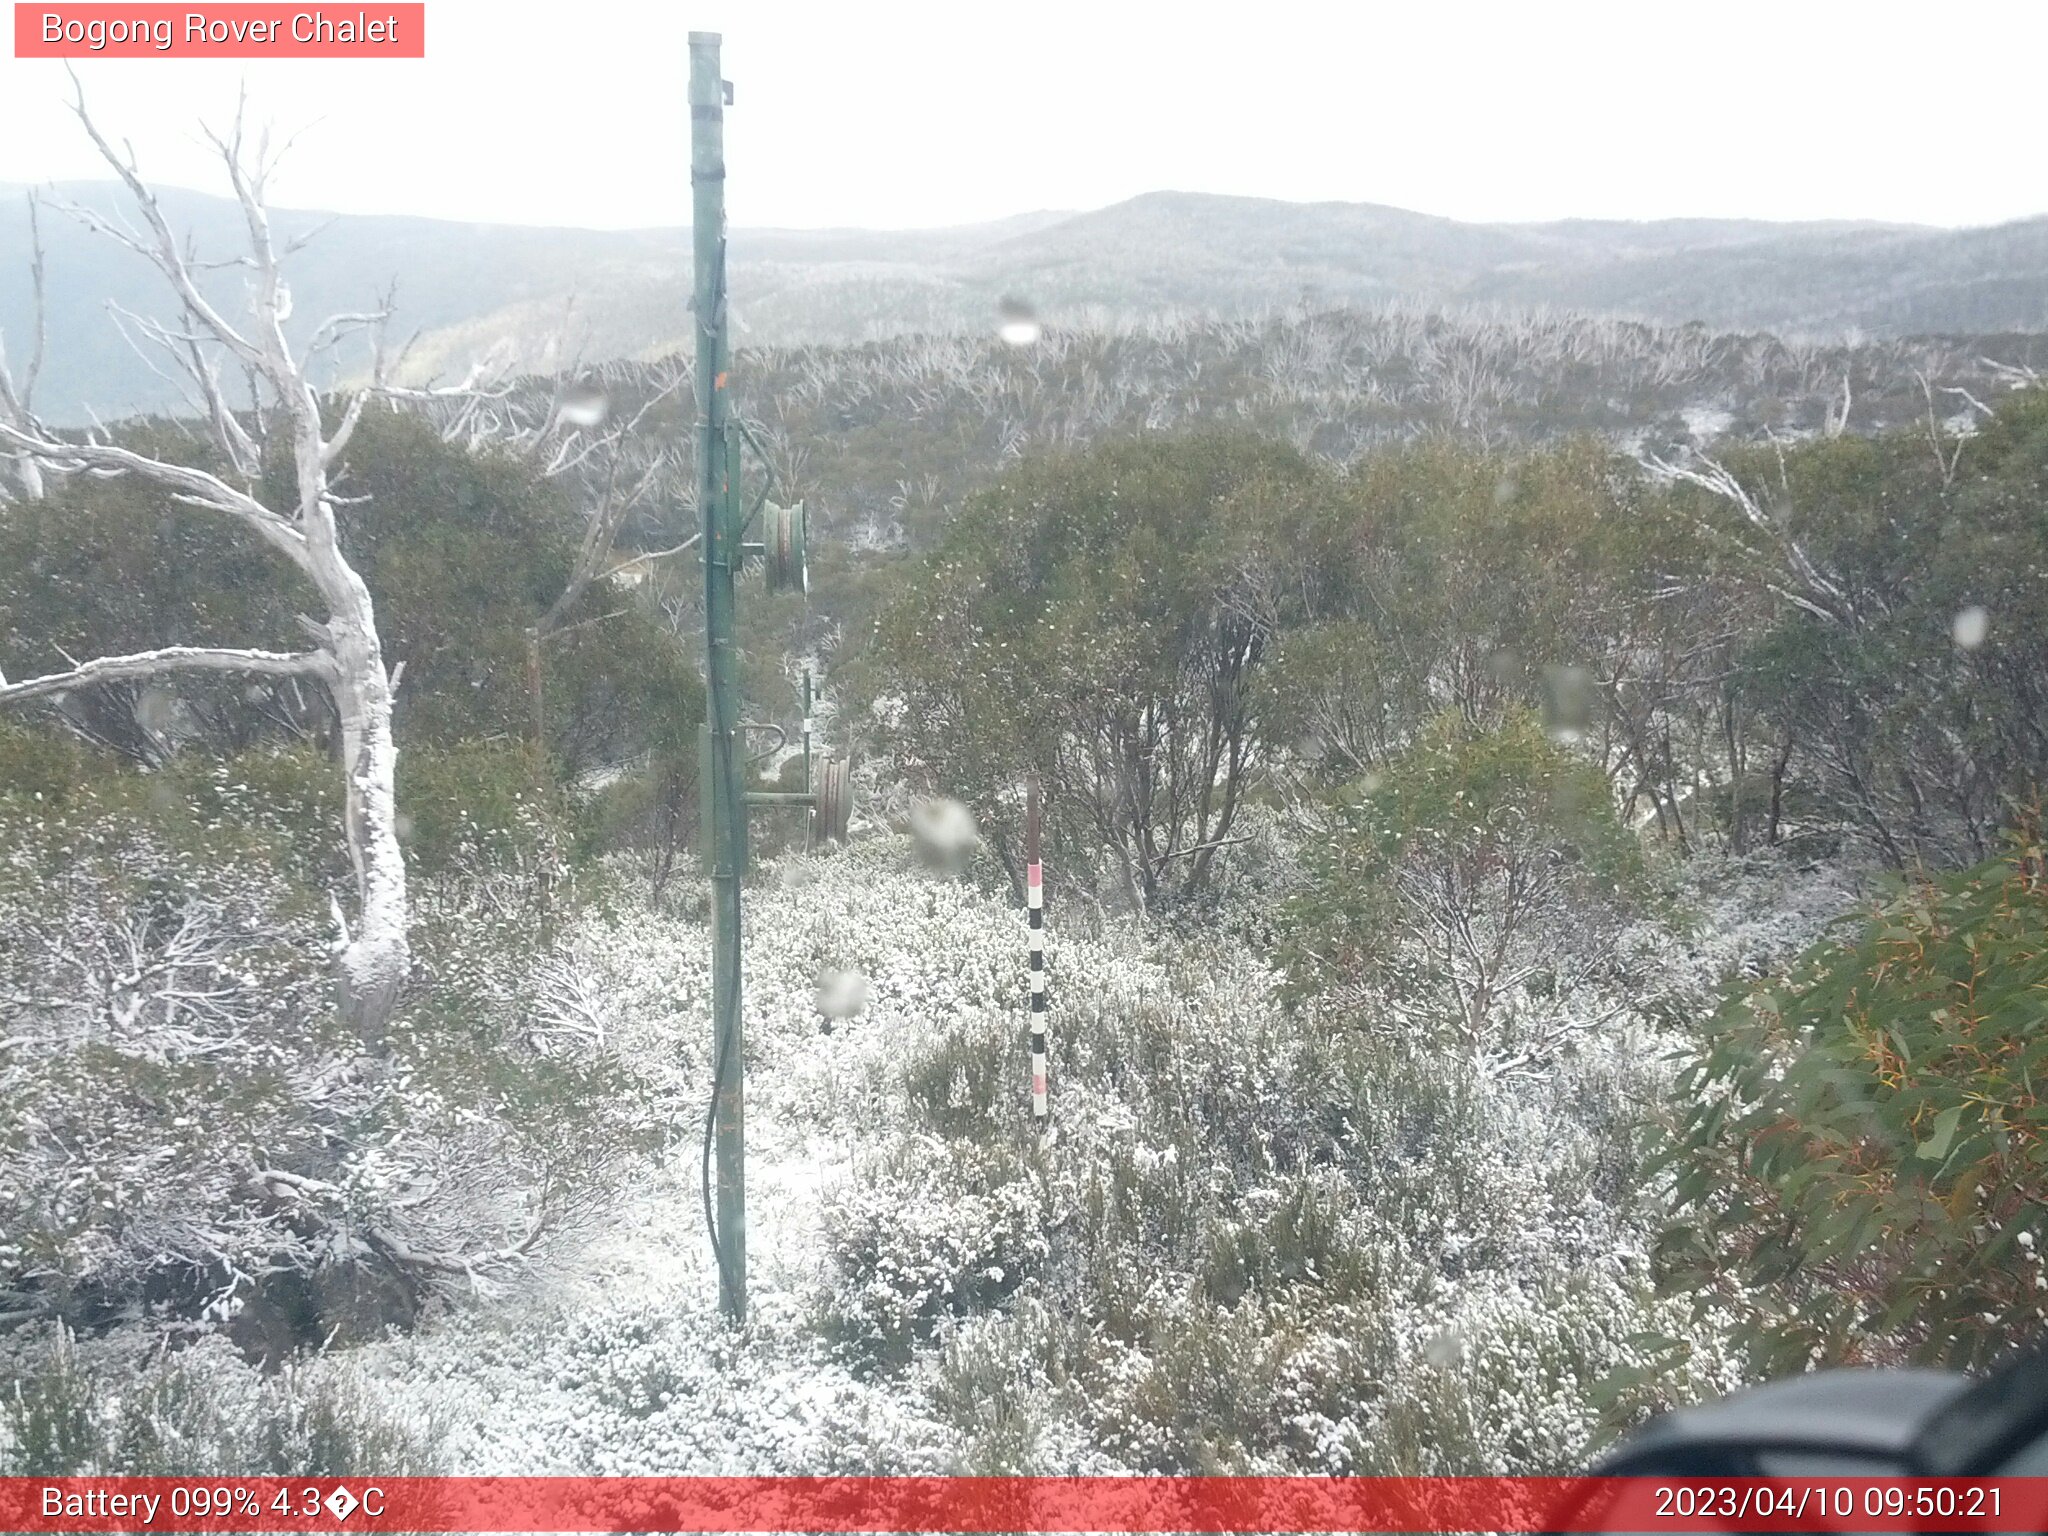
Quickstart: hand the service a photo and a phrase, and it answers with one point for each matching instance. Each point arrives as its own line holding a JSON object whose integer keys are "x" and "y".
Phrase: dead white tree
{"x": 373, "y": 955}
{"x": 1838, "y": 415}
{"x": 2012, "y": 375}
{"x": 1799, "y": 581}
{"x": 1947, "y": 445}
{"x": 17, "y": 398}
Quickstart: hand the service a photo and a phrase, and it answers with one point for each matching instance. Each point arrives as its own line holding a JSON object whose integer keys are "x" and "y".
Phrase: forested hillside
{"x": 1167, "y": 257}
{"x": 887, "y": 438}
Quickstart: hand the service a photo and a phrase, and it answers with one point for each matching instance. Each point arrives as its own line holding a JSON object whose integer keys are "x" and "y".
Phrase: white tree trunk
{"x": 29, "y": 474}
{"x": 374, "y": 961}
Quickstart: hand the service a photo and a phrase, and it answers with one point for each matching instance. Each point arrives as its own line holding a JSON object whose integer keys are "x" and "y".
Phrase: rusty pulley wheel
{"x": 783, "y": 531}
{"x": 831, "y": 800}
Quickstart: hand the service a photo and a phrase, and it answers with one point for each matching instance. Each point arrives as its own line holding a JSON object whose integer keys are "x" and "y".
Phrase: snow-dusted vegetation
{"x": 1452, "y": 766}
{"x": 1256, "y": 1242}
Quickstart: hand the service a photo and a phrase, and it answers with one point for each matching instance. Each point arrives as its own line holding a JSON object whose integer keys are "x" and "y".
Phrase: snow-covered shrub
{"x": 116, "y": 1407}
{"x": 162, "y": 984}
{"x": 481, "y": 809}
{"x": 198, "y": 1144}
{"x": 1299, "y": 1232}
{"x": 1472, "y": 887}
{"x": 1001, "y": 1381}
{"x": 1522, "y": 1374}
{"x": 628, "y": 1382}
{"x": 1274, "y": 1239}
{"x": 1856, "y": 1153}
{"x": 1197, "y": 1391}
{"x": 510, "y": 1116}
{"x": 961, "y": 1080}
{"x": 924, "y": 1237}
{"x": 1262, "y": 1240}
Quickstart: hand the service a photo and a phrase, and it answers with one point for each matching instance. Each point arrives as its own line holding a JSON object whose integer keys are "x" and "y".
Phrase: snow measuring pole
{"x": 1034, "y": 901}
{"x": 722, "y": 761}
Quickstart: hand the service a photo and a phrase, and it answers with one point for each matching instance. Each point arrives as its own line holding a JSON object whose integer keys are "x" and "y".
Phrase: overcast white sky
{"x": 876, "y": 113}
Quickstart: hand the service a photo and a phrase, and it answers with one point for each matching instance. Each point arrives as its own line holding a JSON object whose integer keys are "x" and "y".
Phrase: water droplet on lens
{"x": 155, "y": 708}
{"x": 1017, "y": 323}
{"x": 842, "y": 994}
{"x": 1446, "y": 1349}
{"x": 1971, "y": 627}
{"x": 1567, "y": 702}
{"x": 584, "y": 405}
{"x": 946, "y": 834}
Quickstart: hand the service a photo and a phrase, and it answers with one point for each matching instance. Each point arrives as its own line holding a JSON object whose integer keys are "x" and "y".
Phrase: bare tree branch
{"x": 195, "y": 487}
{"x": 1816, "y": 593}
{"x": 175, "y": 658}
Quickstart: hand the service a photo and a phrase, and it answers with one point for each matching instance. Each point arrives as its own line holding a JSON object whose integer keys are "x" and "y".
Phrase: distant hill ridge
{"x": 469, "y": 288}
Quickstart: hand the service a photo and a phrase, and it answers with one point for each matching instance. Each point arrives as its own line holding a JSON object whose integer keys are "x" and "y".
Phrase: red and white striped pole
{"x": 1034, "y": 901}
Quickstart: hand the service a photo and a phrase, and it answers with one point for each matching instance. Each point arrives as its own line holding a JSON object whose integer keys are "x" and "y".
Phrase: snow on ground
{"x": 617, "y": 1361}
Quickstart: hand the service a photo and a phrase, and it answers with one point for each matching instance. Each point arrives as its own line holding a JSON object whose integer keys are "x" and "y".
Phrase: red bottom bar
{"x": 995, "y": 1504}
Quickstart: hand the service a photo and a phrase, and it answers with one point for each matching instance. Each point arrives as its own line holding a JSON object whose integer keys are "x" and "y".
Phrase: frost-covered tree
{"x": 284, "y": 416}
{"x": 17, "y": 396}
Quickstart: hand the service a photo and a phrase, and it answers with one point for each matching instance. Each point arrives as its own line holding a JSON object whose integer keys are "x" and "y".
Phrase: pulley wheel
{"x": 783, "y": 539}
{"x": 831, "y": 800}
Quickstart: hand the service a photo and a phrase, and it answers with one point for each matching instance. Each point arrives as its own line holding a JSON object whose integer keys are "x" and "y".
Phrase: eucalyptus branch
{"x": 175, "y": 658}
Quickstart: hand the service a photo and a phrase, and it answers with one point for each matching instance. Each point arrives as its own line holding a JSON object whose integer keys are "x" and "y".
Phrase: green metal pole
{"x": 726, "y": 836}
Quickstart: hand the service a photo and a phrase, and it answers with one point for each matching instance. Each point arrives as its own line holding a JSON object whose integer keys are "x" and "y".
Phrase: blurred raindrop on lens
{"x": 1017, "y": 323}
{"x": 945, "y": 833}
{"x": 1505, "y": 489}
{"x": 402, "y": 825}
{"x": 1446, "y": 1349}
{"x": 584, "y": 405}
{"x": 842, "y": 994}
{"x": 1567, "y": 702}
{"x": 161, "y": 796}
{"x": 1971, "y": 627}
{"x": 154, "y": 708}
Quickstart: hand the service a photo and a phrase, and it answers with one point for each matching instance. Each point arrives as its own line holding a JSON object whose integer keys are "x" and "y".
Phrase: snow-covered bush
{"x": 1855, "y": 1155}
{"x": 117, "y": 1407}
{"x": 162, "y": 985}
{"x": 938, "y": 1232}
{"x": 1264, "y": 1239}
{"x": 198, "y": 1145}
{"x": 1471, "y": 887}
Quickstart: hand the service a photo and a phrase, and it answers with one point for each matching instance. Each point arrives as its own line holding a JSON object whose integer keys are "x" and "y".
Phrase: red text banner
{"x": 237, "y": 31}
{"x": 1063, "y": 1504}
